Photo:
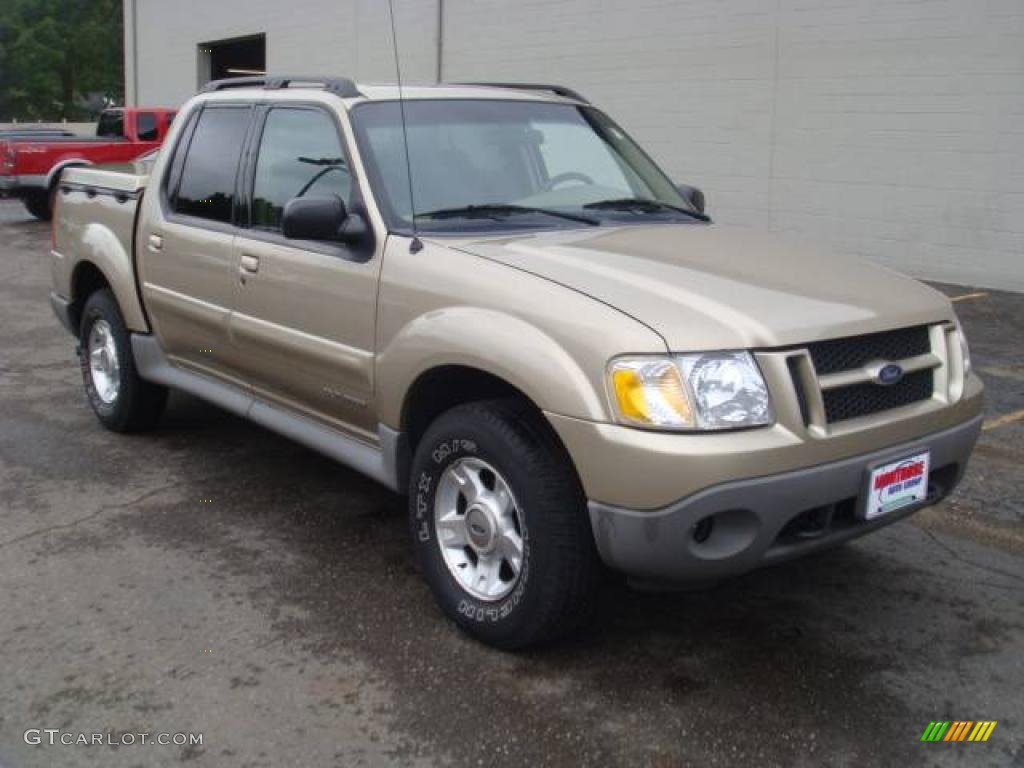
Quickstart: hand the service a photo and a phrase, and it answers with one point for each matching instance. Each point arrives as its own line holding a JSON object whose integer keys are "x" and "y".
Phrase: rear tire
{"x": 546, "y": 581}
{"x": 121, "y": 400}
{"x": 38, "y": 204}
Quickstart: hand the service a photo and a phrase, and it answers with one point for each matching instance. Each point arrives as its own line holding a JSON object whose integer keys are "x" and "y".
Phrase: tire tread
{"x": 569, "y": 595}
{"x": 140, "y": 403}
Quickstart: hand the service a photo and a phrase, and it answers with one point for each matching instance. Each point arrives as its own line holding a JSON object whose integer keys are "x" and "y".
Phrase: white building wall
{"x": 890, "y": 130}
{"x": 320, "y": 37}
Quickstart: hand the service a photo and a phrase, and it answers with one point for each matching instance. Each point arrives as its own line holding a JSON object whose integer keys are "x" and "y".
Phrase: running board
{"x": 381, "y": 464}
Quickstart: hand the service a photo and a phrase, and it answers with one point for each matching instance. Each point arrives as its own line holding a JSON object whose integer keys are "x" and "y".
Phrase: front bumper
{"x": 767, "y": 519}
{"x": 7, "y": 185}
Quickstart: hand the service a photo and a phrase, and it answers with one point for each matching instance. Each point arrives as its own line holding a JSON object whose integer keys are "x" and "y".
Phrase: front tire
{"x": 500, "y": 526}
{"x": 121, "y": 400}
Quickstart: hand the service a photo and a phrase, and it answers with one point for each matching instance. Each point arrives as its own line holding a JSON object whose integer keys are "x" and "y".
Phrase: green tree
{"x": 56, "y": 54}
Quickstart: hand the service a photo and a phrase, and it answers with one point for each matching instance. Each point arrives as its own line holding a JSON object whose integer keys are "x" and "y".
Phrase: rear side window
{"x": 173, "y": 176}
{"x": 146, "y": 124}
{"x": 207, "y": 186}
{"x": 300, "y": 155}
{"x": 111, "y": 125}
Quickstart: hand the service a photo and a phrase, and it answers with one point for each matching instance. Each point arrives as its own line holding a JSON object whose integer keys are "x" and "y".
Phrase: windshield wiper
{"x": 321, "y": 160}
{"x": 643, "y": 204}
{"x": 497, "y": 210}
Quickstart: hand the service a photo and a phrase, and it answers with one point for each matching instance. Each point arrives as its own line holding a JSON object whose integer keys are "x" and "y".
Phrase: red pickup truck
{"x": 30, "y": 167}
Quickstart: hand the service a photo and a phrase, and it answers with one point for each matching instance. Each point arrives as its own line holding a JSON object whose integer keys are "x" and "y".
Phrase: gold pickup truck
{"x": 490, "y": 299}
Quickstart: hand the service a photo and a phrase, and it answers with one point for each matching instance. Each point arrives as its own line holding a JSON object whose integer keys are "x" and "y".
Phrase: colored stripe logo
{"x": 958, "y": 730}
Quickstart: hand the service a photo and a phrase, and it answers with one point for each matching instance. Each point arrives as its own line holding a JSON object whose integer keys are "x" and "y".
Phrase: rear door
{"x": 304, "y": 320}
{"x": 186, "y": 237}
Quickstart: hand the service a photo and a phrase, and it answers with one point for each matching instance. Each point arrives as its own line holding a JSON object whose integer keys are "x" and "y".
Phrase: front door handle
{"x": 156, "y": 243}
{"x": 250, "y": 263}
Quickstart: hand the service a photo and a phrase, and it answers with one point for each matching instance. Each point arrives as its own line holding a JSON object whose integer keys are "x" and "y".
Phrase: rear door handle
{"x": 156, "y": 243}
{"x": 250, "y": 263}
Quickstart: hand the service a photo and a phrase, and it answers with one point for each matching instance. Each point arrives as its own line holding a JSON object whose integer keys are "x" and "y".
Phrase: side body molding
{"x": 379, "y": 462}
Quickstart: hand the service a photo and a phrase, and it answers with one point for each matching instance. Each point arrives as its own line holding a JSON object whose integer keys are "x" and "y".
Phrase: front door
{"x": 304, "y": 321}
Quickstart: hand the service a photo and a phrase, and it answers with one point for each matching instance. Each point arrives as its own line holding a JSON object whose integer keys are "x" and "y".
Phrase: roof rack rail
{"x": 339, "y": 86}
{"x": 558, "y": 90}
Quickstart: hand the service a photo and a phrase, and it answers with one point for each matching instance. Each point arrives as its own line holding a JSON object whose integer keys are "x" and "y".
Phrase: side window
{"x": 173, "y": 175}
{"x": 111, "y": 124}
{"x": 300, "y": 154}
{"x": 207, "y": 187}
{"x": 145, "y": 123}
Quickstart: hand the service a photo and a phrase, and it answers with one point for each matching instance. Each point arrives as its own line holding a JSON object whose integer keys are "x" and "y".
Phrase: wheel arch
{"x": 96, "y": 272}
{"x": 500, "y": 351}
{"x": 437, "y": 390}
{"x": 86, "y": 279}
{"x": 54, "y": 173}
{"x": 444, "y": 387}
{"x": 463, "y": 354}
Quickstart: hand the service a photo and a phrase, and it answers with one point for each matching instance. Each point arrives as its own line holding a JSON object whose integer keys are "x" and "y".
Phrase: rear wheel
{"x": 121, "y": 400}
{"x": 38, "y": 204}
{"x": 500, "y": 525}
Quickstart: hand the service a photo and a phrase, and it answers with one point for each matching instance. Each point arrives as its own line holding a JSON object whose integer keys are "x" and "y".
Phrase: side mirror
{"x": 314, "y": 218}
{"x": 693, "y": 195}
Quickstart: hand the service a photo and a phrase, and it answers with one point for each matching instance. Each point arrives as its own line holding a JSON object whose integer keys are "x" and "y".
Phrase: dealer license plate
{"x": 897, "y": 484}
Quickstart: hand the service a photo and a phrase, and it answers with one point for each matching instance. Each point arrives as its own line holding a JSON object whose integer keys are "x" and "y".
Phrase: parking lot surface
{"x": 214, "y": 578}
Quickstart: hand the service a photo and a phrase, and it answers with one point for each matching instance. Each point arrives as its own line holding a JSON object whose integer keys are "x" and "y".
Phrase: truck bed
{"x": 127, "y": 178}
{"x": 95, "y": 223}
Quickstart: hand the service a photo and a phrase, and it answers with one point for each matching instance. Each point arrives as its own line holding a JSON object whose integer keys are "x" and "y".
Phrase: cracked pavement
{"x": 285, "y": 622}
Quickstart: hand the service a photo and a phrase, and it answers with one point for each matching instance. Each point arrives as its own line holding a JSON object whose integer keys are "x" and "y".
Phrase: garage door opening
{"x": 239, "y": 57}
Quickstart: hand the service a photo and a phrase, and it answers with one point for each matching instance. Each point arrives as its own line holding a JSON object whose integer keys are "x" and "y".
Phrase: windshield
{"x": 487, "y": 163}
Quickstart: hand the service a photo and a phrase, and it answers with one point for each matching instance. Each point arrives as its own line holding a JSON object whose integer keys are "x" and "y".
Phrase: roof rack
{"x": 558, "y": 90}
{"x": 339, "y": 86}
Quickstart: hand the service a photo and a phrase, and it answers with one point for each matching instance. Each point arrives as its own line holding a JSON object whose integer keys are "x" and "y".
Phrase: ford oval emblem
{"x": 890, "y": 374}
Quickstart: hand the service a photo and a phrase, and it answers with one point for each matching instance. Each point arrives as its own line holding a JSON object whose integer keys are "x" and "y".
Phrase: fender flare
{"x": 101, "y": 249}
{"x": 61, "y": 165}
{"x": 521, "y": 355}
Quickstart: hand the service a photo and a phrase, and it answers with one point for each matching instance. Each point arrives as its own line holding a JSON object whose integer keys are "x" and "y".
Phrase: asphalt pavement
{"x": 213, "y": 578}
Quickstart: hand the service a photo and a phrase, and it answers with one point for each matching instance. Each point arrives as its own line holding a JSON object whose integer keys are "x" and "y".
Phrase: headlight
{"x": 714, "y": 390}
{"x": 728, "y": 390}
{"x": 649, "y": 392}
{"x": 965, "y": 351}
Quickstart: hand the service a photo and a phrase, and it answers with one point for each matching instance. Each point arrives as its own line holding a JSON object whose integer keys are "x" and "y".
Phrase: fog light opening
{"x": 702, "y": 530}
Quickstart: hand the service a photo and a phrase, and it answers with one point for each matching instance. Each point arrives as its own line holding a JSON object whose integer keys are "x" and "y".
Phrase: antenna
{"x": 415, "y": 246}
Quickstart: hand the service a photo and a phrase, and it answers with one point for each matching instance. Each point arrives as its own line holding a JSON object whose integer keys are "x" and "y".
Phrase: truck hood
{"x": 713, "y": 287}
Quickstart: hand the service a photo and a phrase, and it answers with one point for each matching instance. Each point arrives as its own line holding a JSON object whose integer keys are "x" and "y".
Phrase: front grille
{"x": 857, "y": 351}
{"x": 868, "y": 397}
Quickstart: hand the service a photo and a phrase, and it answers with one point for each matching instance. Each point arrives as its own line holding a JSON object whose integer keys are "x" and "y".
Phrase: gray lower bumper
{"x": 18, "y": 186}
{"x": 768, "y": 519}
{"x": 62, "y": 309}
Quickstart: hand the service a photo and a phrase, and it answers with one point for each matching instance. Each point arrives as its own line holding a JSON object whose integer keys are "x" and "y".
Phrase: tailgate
{"x": 7, "y": 160}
